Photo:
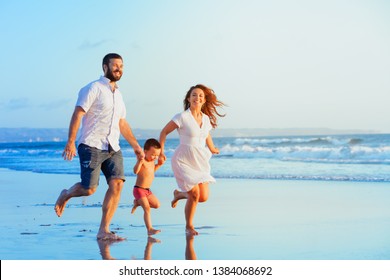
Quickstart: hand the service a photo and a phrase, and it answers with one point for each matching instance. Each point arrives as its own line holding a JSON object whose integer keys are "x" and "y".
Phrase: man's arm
{"x": 70, "y": 148}
{"x": 127, "y": 133}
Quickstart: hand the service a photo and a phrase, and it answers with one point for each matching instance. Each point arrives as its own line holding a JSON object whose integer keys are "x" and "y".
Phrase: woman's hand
{"x": 214, "y": 151}
{"x": 161, "y": 159}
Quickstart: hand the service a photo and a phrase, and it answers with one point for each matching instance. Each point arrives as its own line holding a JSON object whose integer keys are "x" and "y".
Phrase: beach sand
{"x": 243, "y": 220}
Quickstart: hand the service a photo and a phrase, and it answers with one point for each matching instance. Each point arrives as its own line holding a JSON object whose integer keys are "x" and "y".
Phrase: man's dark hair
{"x": 152, "y": 143}
{"x": 106, "y": 59}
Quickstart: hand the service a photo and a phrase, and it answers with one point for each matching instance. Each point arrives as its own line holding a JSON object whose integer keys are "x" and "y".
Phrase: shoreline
{"x": 244, "y": 219}
{"x": 130, "y": 176}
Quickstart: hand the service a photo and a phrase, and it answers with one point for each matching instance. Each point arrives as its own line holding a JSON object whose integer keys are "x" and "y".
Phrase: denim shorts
{"x": 93, "y": 160}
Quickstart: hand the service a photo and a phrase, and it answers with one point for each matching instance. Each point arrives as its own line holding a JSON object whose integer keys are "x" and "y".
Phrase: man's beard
{"x": 111, "y": 77}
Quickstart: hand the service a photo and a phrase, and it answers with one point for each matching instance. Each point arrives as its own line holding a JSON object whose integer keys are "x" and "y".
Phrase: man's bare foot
{"x": 176, "y": 194}
{"x": 191, "y": 231}
{"x": 109, "y": 236}
{"x": 60, "y": 203}
{"x": 135, "y": 205}
{"x": 153, "y": 231}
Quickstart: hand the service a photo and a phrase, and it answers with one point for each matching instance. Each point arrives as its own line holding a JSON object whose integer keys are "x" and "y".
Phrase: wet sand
{"x": 243, "y": 220}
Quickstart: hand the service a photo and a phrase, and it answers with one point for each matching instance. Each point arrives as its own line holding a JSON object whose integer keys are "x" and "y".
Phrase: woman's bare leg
{"x": 203, "y": 192}
{"x": 190, "y": 209}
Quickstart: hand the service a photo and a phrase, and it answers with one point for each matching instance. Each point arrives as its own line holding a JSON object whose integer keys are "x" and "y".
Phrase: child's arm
{"x": 210, "y": 145}
{"x": 158, "y": 165}
{"x": 138, "y": 165}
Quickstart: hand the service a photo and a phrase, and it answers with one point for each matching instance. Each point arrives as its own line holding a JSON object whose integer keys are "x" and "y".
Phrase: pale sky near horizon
{"x": 276, "y": 64}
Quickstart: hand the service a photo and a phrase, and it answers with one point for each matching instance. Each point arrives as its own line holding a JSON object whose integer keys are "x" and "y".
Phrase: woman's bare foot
{"x": 176, "y": 198}
{"x": 135, "y": 205}
{"x": 109, "y": 236}
{"x": 61, "y": 202}
{"x": 153, "y": 231}
{"x": 191, "y": 231}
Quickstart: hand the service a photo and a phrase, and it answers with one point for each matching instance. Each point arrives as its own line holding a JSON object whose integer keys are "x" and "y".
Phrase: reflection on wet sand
{"x": 148, "y": 248}
{"x": 104, "y": 247}
{"x": 190, "y": 251}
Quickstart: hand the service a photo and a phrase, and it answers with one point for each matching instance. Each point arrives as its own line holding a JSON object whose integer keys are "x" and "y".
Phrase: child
{"x": 145, "y": 169}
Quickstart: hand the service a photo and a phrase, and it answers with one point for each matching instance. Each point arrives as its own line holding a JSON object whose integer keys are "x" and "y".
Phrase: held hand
{"x": 139, "y": 153}
{"x": 69, "y": 151}
{"x": 215, "y": 151}
{"x": 161, "y": 159}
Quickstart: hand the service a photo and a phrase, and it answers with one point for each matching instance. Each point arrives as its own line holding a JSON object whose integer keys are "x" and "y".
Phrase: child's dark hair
{"x": 152, "y": 143}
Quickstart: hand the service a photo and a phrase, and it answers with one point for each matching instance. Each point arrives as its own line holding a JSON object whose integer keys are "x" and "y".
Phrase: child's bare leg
{"x": 135, "y": 205}
{"x": 144, "y": 203}
{"x": 153, "y": 203}
{"x": 177, "y": 196}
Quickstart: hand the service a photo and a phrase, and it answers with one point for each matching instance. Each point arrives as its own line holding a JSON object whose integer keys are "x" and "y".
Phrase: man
{"x": 102, "y": 111}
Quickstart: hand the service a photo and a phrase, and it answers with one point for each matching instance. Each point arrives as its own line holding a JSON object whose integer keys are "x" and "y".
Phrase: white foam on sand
{"x": 243, "y": 220}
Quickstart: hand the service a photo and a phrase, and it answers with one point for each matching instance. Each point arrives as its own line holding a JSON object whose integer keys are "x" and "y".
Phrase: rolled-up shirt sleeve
{"x": 86, "y": 98}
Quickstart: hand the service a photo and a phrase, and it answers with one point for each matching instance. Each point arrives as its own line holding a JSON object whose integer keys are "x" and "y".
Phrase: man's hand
{"x": 139, "y": 153}
{"x": 70, "y": 151}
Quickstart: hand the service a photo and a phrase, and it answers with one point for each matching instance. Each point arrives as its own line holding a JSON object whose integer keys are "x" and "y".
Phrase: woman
{"x": 190, "y": 162}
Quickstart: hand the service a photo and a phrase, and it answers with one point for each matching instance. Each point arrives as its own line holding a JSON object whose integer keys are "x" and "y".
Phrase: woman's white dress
{"x": 190, "y": 161}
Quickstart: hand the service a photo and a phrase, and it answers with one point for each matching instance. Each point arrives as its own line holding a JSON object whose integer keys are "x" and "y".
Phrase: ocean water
{"x": 327, "y": 157}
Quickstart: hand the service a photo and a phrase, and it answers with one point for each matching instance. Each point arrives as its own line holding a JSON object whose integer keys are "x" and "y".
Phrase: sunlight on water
{"x": 341, "y": 157}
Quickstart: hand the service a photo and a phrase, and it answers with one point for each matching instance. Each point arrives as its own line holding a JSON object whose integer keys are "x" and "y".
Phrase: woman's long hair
{"x": 210, "y": 106}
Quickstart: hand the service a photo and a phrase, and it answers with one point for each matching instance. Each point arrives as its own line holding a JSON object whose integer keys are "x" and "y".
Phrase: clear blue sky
{"x": 277, "y": 64}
